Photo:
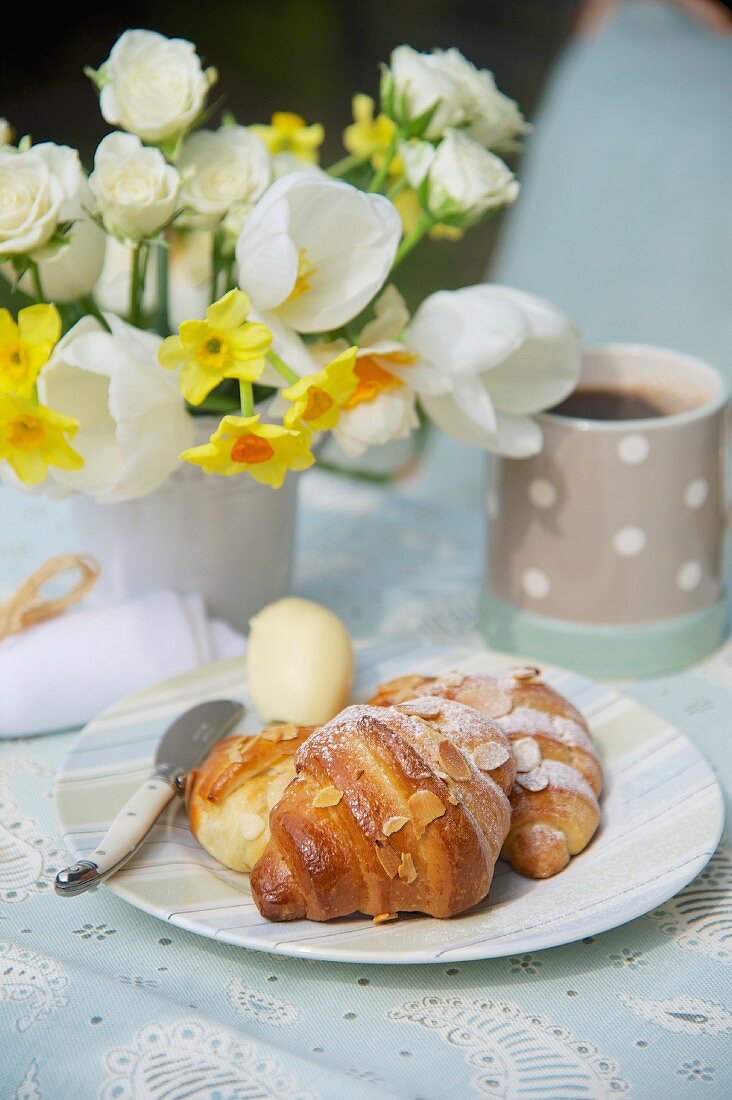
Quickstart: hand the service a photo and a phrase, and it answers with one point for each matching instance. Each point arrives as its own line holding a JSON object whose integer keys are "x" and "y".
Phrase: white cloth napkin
{"x": 61, "y": 673}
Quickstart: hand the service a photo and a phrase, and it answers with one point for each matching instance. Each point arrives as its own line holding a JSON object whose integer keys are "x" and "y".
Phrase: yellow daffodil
{"x": 374, "y": 377}
{"x": 266, "y": 451}
{"x": 32, "y": 438}
{"x": 225, "y": 345}
{"x": 368, "y": 136}
{"x": 318, "y": 398}
{"x": 25, "y": 346}
{"x": 289, "y": 133}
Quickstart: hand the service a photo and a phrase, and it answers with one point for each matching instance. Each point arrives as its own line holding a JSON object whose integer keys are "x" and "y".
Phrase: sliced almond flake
{"x": 453, "y": 679}
{"x": 490, "y": 755}
{"x": 394, "y": 824}
{"x": 494, "y": 701}
{"x": 250, "y": 825}
{"x": 526, "y": 674}
{"x": 535, "y": 780}
{"x": 422, "y": 708}
{"x": 441, "y": 775}
{"x": 274, "y": 733}
{"x": 327, "y": 796}
{"x": 453, "y": 761}
{"x": 388, "y": 858}
{"x": 407, "y": 870}
{"x": 452, "y": 797}
{"x": 288, "y": 732}
{"x": 382, "y": 918}
{"x": 526, "y": 753}
{"x": 424, "y": 808}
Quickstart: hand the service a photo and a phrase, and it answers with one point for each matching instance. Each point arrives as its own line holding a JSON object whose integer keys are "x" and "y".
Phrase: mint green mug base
{"x": 605, "y": 651}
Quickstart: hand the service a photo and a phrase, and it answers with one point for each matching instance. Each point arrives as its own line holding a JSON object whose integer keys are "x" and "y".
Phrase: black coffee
{"x": 607, "y": 404}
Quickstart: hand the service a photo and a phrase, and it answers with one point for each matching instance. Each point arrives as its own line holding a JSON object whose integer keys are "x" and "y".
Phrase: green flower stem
{"x": 246, "y": 398}
{"x": 281, "y": 367}
{"x": 36, "y": 280}
{"x": 229, "y": 275}
{"x": 377, "y": 181}
{"x": 345, "y": 164}
{"x": 425, "y": 222}
{"x": 90, "y": 306}
{"x": 214, "y": 284}
{"x": 133, "y": 312}
{"x": 162, "y": 324}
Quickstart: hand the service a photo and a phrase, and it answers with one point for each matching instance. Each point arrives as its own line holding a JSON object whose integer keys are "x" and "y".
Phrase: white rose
{"x": 418, "y": 83}
{"x": 220, "y": 168}
{"x": 493, "y": 119}
{"x": 71, "y": 270}
{"x": 315, "y": 251}
{"x": 152, "y": 86}
{"x": 136, "y": 192}
{"x": 460, "y": 180}
{"x": 38, "y": 190}
{"x": 133, "y": 423}
{"x": 499, "y": 356}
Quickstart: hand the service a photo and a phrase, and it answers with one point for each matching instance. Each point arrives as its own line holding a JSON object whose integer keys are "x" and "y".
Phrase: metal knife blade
{"x": 188, "y": 739}
{"x": 184, "y": 744}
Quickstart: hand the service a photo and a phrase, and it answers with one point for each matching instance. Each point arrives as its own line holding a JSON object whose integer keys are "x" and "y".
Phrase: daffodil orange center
{"x": 26, "y": 433}
{"x": 318, "y": 403}
{"x": 373, "y": 380}
{"x": 13, "y": 362}
{"x": 213, "y": 352}
{"x": 251, "y": 449}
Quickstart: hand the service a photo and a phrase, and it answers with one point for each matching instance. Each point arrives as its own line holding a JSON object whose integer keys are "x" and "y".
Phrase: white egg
{"x": 299, "y": 662}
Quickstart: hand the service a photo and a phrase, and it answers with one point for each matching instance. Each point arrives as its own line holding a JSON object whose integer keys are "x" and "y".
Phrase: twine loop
{"x": 27, "y": 606}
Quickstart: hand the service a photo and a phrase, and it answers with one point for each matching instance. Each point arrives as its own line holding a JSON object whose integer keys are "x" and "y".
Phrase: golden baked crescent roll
{"x": 393, "y": 809}
{"x": 556, "y": 809}
{"x": 230, "y": 796}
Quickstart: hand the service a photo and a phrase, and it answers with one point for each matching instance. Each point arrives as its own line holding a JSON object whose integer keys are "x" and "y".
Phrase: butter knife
{"x": 183, "y": 746}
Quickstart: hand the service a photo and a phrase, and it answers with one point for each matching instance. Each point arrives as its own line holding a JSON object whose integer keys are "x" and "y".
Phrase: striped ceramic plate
{"x": 662, "y": 819}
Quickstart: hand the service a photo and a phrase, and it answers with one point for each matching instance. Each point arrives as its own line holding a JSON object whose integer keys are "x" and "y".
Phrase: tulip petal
{"x": 266, "y": 255}
{"x": 514, "y": 437}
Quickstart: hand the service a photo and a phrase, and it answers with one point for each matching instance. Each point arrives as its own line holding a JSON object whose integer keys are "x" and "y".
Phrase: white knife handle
{"x": 122, "y": 839}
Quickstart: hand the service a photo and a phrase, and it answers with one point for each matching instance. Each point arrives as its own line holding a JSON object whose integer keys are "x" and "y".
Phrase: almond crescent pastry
{"x": 230, "y": 796}
{"x": 555, "y": 811}
{"x": 391, "y": 811}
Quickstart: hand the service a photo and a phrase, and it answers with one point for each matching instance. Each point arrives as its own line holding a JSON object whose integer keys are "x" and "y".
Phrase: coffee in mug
{"x": 605, "y": 550}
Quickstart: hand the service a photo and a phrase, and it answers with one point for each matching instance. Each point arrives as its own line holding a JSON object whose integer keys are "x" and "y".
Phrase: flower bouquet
{"x": 277, "y": 275}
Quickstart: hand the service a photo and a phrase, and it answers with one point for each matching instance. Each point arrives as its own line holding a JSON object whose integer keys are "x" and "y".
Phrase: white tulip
{"x": 152, "y": 86}
{"x": 493, "y": 119}
{"x": 133, "y": 422}
{"x": 6, "y": 132}
{"x": 39, "y": 191}
{"x": 391, "y": 415}
{"x": 500, "y": 356}
{"x": 316, "y": 250}
{"x": 420, "y": 93}
{"x": 459, "y": 181}
{"x": 136, "y": 192}
{"x": 220, "y": 168}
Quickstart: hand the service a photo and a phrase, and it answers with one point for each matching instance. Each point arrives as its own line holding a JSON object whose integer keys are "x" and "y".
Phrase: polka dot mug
{"x": 605, "y": 550}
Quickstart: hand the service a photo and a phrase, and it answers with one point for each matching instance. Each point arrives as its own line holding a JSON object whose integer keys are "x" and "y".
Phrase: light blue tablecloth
{"x": 98, "y": 999}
